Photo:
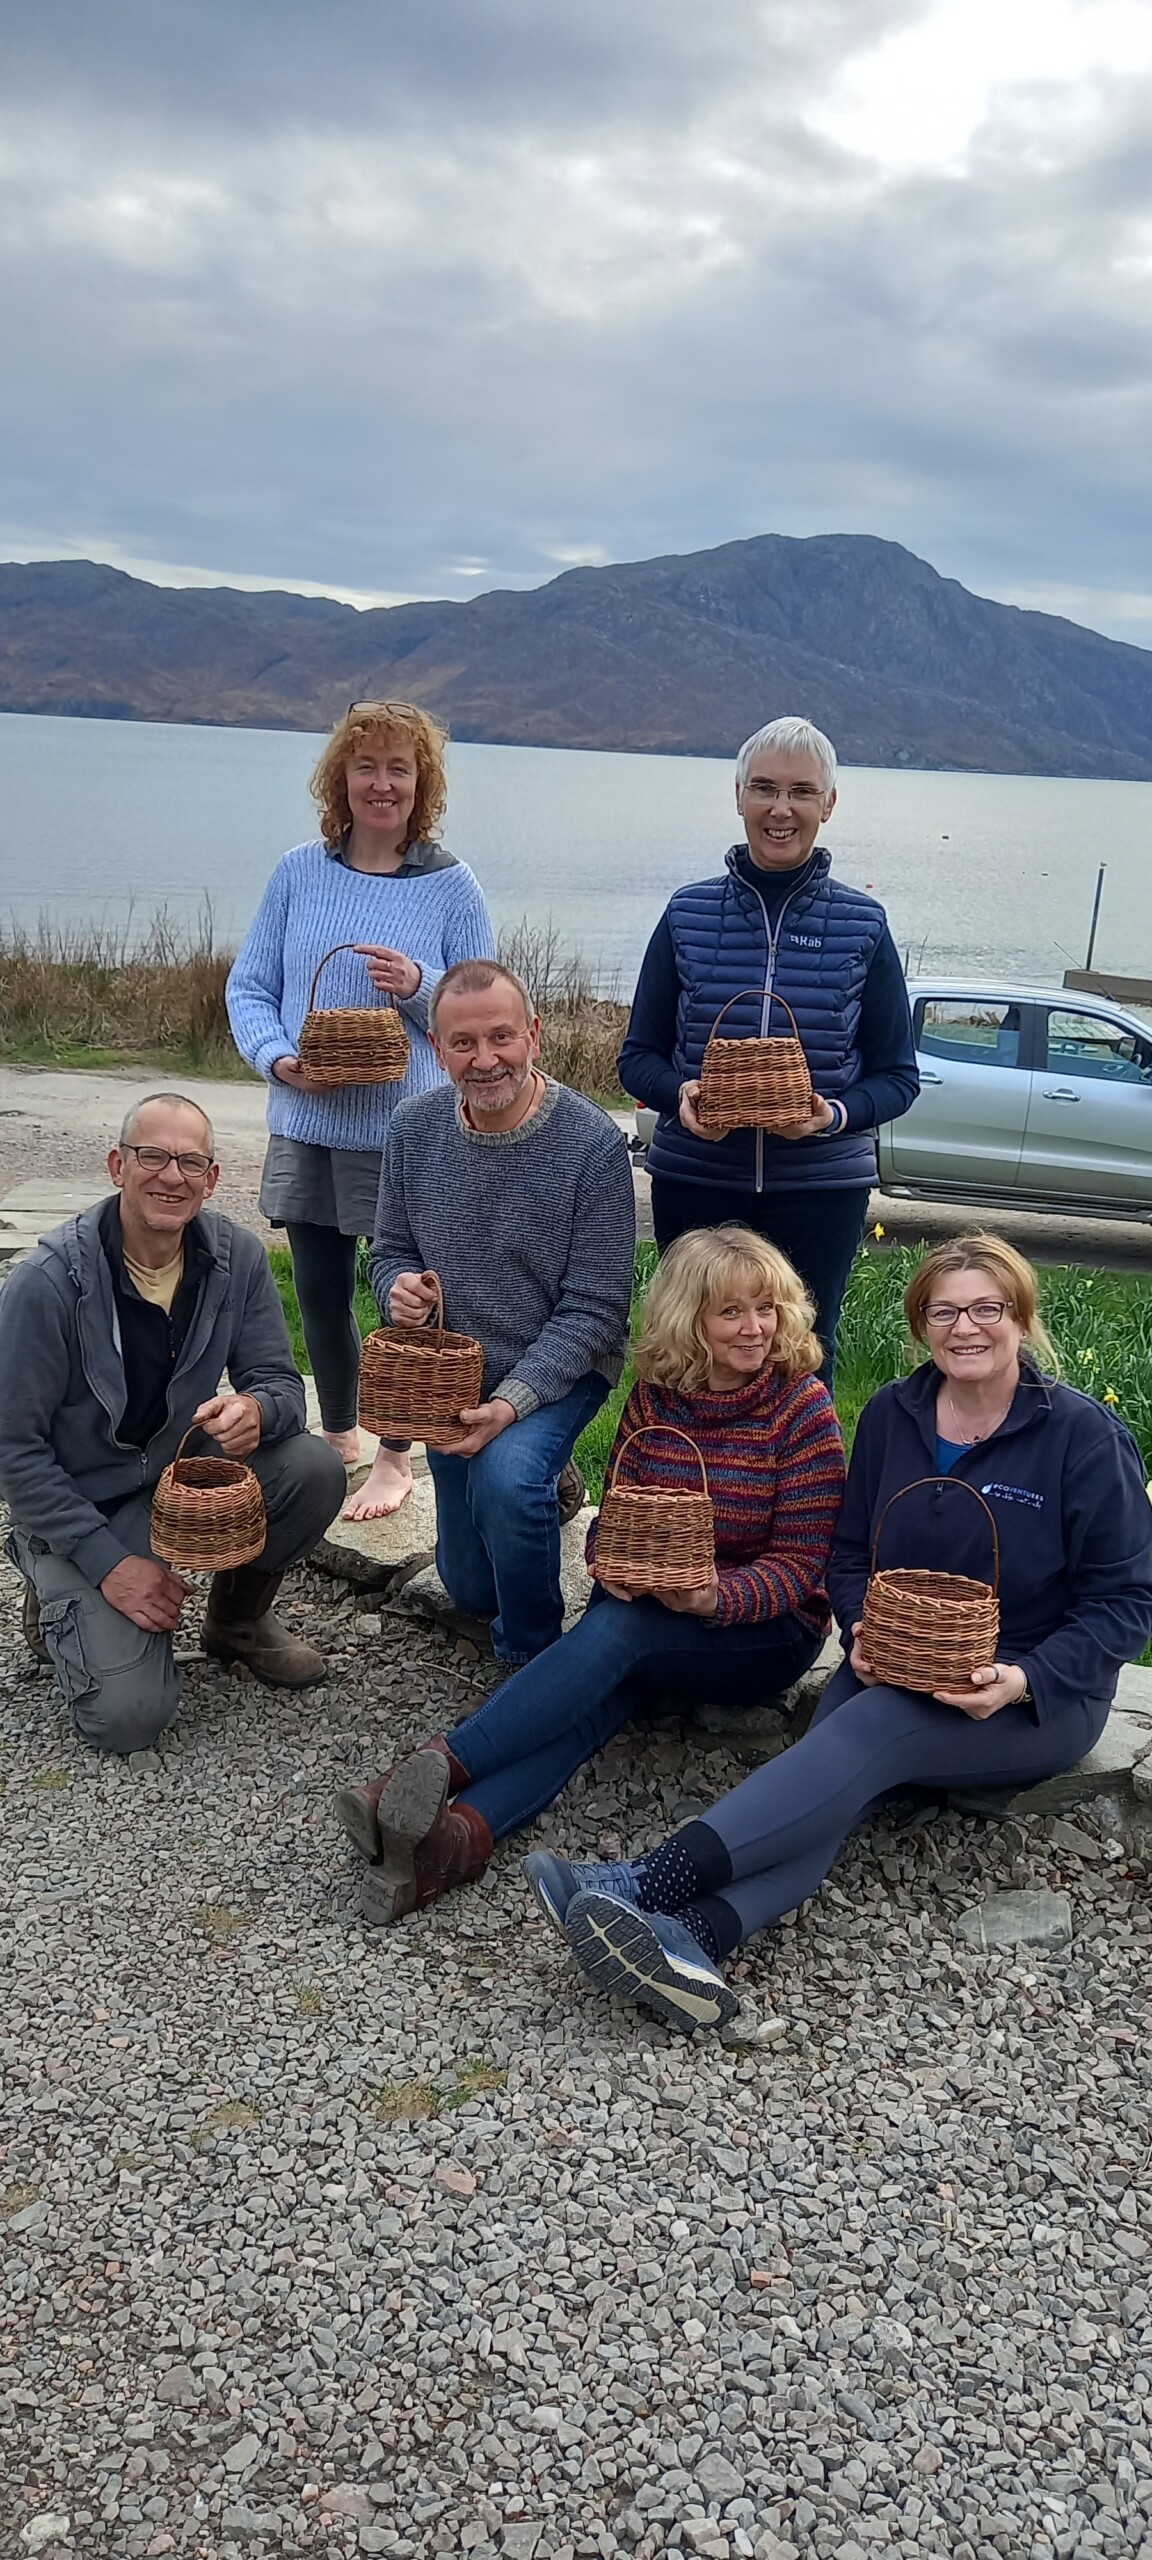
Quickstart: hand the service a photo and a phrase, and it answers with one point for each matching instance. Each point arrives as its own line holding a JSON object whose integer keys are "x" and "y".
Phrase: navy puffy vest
{"x": 825, "y": 938}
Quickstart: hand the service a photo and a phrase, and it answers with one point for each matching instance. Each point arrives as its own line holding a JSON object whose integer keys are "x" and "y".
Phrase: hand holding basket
{"x": 351, "y": 1044}
{"x": 929, "y": 1631}
{"x": 656, "y": 1538}
{"x": 417, "y": 1380}
{"x": 207, "y": 1514}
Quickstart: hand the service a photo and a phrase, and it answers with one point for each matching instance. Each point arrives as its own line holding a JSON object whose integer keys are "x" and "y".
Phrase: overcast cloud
{"x": 418, "y": 297}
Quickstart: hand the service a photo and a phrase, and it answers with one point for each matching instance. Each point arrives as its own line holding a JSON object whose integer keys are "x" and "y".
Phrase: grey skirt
{"x": 303, "y": 1186}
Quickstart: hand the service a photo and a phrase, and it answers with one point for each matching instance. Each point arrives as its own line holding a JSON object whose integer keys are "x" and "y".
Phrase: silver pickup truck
{"x": 1027, "y": 1094}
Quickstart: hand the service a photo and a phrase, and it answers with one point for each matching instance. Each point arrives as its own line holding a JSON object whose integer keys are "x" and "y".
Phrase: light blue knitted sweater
{"x": 313, "y": 900}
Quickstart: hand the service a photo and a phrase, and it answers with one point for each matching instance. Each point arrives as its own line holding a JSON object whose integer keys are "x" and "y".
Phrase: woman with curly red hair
{"x": 377, "y": 878}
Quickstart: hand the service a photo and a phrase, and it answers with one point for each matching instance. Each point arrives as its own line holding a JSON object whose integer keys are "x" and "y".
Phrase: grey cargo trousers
{"x": 120, "y": 1683}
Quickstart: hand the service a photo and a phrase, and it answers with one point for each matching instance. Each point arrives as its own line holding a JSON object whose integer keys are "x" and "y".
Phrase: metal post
{"x": 1095, "y": 915}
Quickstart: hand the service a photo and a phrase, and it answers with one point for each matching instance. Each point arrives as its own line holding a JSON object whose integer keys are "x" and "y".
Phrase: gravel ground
{"x": 405, "y": 2244}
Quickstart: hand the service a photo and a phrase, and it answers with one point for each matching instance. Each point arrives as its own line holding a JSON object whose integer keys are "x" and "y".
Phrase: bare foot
{"x": 346, "y": 1445}
{"x": 385, "y": 1488}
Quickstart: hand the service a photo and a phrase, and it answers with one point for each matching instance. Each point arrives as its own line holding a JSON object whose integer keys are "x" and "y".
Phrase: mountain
{"x": 681, "y": 655}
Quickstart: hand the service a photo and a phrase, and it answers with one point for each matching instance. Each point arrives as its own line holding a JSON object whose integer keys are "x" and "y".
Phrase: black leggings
{"x": 819, "y": 1231}
{"x": 324, "y": 1270}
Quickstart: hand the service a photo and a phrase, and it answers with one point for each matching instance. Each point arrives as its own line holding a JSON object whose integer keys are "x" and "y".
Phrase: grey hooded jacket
{"x": 63, "y": 1389}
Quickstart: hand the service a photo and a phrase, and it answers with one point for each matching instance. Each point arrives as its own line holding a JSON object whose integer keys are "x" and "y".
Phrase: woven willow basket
{"x": 416, "y": 1380}
{"x": 207, "y": 1514}
{"x": 661, "y": 1539}
{"x": 930, "y": 1630}
{"x": 763, "y": 1083}
{"x": 351, "y": 1044}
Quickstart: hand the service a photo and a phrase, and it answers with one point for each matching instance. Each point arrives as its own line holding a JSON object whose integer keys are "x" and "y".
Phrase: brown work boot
{"x": 356, "y": 1806}
{"x": 571, "y": 1492}
{"x": 239, "y": 1627}
{"x": 414, "y": 1868}
{"x": 30, "y": 1624}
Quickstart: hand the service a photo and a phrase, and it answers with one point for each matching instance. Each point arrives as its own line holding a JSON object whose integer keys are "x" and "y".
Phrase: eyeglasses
{"x": 158, "y": 1159}
{"x": 790, "y": 791}
{"x": 405, "y": 710}
{"x": 984, "y": 1311}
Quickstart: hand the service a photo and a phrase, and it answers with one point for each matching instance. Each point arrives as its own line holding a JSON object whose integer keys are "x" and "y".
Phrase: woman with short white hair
{"x": 775, "y": 924}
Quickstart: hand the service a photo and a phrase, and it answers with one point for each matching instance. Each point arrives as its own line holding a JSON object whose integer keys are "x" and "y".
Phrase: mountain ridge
{"x": 683, "y": 654}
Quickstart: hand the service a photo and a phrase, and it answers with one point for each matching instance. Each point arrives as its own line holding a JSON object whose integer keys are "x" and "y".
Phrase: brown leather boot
{"x": 356, "y": 1807}
{"x": 30, "y": 1624}
{"x": 239, "y": 1627}
{"x": 571, "y": 1492}
{"x": 409, "y": 1873}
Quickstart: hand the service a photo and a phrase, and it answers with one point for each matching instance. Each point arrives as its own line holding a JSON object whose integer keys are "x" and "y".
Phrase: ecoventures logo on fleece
{"x": 1016, "y": 1493}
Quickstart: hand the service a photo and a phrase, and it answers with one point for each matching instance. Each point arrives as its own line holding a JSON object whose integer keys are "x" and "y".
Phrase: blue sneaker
{"x": 649, "y": 1957}
{"x": 555, "y": 1881}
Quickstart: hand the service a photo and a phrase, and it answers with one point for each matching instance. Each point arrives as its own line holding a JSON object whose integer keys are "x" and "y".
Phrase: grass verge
{"x": 1100, "y": 1322}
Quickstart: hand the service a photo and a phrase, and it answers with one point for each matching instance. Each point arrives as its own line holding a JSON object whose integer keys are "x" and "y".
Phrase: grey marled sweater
{"x": 532, "y": 1231}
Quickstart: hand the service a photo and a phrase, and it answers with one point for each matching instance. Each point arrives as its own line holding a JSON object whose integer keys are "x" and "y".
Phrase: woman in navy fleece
{"x": 1064, "y": 1480}
{"x": 775, "y": 921}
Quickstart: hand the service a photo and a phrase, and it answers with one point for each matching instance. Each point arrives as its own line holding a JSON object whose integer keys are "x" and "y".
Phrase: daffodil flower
{"x": 1110, "y": 1396}
{"x": 878, "y": 1230}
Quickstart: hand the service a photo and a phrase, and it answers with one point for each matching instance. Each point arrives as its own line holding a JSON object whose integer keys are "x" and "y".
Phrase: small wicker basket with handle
{"x": 925, "y": 1630}
{"x": 417, "y": 1380}
{"x": 351, "y": 1044}
{"x": 661, "y": 1538}
{"x": 207, "y": 1514}
{"x": 759, "y": 1083}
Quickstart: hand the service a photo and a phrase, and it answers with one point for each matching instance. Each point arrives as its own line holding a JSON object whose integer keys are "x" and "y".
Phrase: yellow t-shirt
{"x": 159, "y": 1287}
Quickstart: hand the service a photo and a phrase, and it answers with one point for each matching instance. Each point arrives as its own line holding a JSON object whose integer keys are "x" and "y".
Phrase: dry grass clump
{"x": 580, "y": 1029}
{"x": 91, "y": 993}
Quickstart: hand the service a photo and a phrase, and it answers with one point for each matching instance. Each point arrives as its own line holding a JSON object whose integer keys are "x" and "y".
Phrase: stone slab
{"x": 426, "y": 1596}
{"x": 32, "y": 1208}
{"x": 756, "y": 1734}
{"x": 1110, "y": 1769}
{"x": 1018, "y": 1920}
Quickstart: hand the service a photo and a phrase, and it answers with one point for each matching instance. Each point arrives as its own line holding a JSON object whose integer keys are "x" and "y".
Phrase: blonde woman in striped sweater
{"x": 727, "y": 1354}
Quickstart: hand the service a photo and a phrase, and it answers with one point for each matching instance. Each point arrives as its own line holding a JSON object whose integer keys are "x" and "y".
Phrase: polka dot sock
{"x": 700, "y": 1927}
{"x": 694, "y": 1862}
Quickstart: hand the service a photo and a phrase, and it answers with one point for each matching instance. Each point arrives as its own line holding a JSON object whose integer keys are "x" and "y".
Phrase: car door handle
{"x": 1059, "y": 1093}
{"x": 927, "y": 1077}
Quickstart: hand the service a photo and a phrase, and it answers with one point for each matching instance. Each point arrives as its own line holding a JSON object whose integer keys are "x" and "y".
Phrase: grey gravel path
{"x": 315, "y": 2241}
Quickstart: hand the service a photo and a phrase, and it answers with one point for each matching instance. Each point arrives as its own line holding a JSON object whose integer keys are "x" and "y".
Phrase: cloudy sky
{"x": 400, "y": 298}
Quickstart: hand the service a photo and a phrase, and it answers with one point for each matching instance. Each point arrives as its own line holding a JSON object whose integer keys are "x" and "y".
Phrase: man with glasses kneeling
{"x": 114, "y": 1337}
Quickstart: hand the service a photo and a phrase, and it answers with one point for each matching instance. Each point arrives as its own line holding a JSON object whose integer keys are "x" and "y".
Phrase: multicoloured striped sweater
{"x": 775, "y": 1464}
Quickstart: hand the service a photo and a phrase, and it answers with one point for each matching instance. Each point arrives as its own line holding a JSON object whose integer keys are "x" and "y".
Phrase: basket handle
{"x": 386, "y": 992}
{"x": 961, "y": 1487}
{"x": 190, "y": 1434}
{"x": 763, "y": 993}
{"x": 639, "y": 1433}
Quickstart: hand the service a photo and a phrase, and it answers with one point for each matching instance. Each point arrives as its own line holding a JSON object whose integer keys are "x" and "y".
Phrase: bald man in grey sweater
{"x": 518, "y": 1193}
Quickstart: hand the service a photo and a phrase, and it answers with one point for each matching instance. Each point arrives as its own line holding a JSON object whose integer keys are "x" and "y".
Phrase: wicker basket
{"x": 207, "y": 1514}
{"x": 416, "y": 1380}
{"x": 763, "y": 1083}
{"x": 351, "y": 1044}
{"x": 662, "y": 1540}
{"x": 929, "y": 1631}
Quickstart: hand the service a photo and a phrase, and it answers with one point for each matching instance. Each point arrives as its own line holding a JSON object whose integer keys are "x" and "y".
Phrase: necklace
{"x": 969, "y": 1439}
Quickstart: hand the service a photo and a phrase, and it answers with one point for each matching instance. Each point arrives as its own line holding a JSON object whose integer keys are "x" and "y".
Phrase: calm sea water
{"x": 103, "y": 821}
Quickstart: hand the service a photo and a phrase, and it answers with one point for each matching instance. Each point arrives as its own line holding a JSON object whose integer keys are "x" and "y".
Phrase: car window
{"x": 1081, "y": 1044}
{"x": 970, "y": 1030}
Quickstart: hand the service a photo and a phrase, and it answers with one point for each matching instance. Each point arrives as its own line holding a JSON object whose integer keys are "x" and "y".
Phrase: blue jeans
{"x": 498, "y": 1523}
{"x": 624, "y": 1658}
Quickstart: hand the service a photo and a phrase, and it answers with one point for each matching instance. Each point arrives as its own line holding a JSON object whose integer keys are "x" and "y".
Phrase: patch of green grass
{"x": 309, "y": 2000}
{"x": 475, "y": 2081}
{"x": 47, "y": 1781}
{"x": 233, "y": 2115}
{"x": 15, "y": 2198}
{"x": 403, "y": 2101}
{"x": 219, "y": 1920}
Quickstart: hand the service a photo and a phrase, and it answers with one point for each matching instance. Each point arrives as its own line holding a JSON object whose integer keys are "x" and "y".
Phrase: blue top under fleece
{"x": 1064, "y": 1482}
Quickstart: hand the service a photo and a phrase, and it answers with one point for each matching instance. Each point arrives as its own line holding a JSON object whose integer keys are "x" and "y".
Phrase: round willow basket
{"x": 207, "y": 1514}
{"x": 416, "y": 1380}
{"x": 925, "y": 1630}
{"x": 352, "y": 1044}
{"x": 762, "y": 1083}
{"x": 663, "y": 1539}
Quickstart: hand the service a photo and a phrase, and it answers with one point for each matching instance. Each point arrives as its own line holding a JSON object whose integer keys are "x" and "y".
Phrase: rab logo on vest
{"x": 805, "y": 941}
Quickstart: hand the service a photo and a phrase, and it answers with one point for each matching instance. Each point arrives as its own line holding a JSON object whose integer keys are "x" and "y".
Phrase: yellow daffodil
{"x": 1110, "y": 1396}
{"x": 878, "y": 1230}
